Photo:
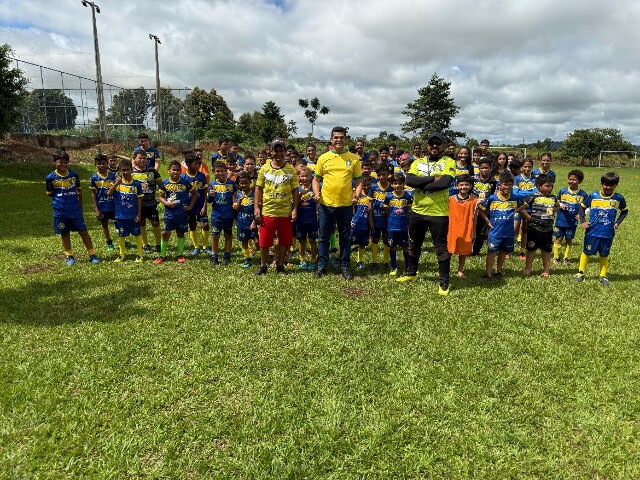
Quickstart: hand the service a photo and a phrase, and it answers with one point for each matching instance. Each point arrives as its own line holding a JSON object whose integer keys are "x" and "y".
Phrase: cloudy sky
{"x": 519, "y": 69}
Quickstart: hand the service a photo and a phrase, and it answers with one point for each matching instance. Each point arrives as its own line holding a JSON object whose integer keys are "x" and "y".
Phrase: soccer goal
{"x": 617, "y": 158}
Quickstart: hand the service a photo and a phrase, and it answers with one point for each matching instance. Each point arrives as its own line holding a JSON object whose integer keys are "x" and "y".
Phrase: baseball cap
{"x": 439, "y": 135}
{"x": 277, "y": 141}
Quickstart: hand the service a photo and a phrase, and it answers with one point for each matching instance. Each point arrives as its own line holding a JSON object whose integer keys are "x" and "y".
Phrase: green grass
{"x": 185, "y": 371}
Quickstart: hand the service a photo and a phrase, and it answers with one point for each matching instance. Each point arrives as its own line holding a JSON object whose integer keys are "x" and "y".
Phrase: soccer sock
{"x": 68, "y": 253}
{"x": 122, "y": 245}
{"x": 245, "y": 253}
{"x": 205, "y": 238}
{"x": 394, "y": 261}
{"x": 374, "y": 252}
{"x": 604, "y": 264}
{"x": 194, "y": 238}
{"x": 333, "y": 241}
{"x": 143, "y": 232}
{"x": 91, "y": 251}
{"x": 180, "y": 246}
{"x": 556, "y": 250}
{"x": 163, "y": 247}
{"x": 386, "y": 254}
{"x": 567, "y": 251}
{"x": 584, "y": 259}
{"x": 227, "y": 255}
{"x": 156, "y": 233}
{"x": 139, "y": 244}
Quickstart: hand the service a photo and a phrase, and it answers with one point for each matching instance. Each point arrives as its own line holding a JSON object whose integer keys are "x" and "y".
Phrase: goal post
{"x": 635, "y": 155}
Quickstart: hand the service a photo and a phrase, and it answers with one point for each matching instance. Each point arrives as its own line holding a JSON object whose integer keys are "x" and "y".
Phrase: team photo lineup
{"x": 342, "y": 200}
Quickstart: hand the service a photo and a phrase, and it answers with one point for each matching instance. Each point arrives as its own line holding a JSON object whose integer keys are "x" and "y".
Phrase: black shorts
{"x": 150, "y": 212}
{"x": 539, "y": 240}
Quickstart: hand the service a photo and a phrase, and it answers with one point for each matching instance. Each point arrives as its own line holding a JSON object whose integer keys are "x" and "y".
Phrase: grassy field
{"x": 188, "y": 371}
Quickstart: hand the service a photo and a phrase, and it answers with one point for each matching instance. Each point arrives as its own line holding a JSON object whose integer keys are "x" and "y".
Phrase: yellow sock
{"x": 303, "y": 257}
{"x": 205, "y": 238}
{"x": 556, "y": 250}
{"x": 156, "y": 234}
{"x": 360, "y": 254}
{"x": 374, "y": 252}
{"x": 387, "y": 255}
{"x": 584, "y": 259}
{"x": 68, "y": 253}
{"x": 139, "y": 244}
{"x": 121, "y": 244}
{"x": 143, "y": 233}
{"x": 245, "y": 252}
{"x": 91, "y": 251}
{"x": 194, "y": 238}
{"x": 567, "y": 251}
{"x": 604, "y": 264}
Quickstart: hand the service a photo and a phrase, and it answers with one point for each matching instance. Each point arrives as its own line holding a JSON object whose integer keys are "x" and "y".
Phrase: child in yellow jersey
{"x": 362, "y": 222}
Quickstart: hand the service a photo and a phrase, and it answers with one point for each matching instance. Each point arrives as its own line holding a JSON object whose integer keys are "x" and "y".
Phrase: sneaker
{"x": 443, "y": 291}
{"x": 207, "y": 251}
{"x": 360, "y": 266}
{"x": 303, "y": 265}
{"x": 393, "y": 272}
{"x": 579, "y": 277}
{"x": 557, "y": 261}
{"x": 119, "y": 259}
{"x": 346, "y": 274}
{"x": 262, "y": 270}
{"x": 605, "y": 281}
{"x": 226, "y": 261}
{"x": 311, "y": 266}
{"x": 406, "y": 278}
{"x": 246, "y": 263}
{"x": 567, "y": 261}
{"x": 280, "y": 270}
{"x": 158, "y": 260}
{"x": 195, "y": 251}
{"x": 321, "y": 272}
{"x": 70, "y": 261}
{"x": 110, "y": 247}
{"x": 499, "y": 274}
{"x": 94, "y": 259}
{"x": 138, "y": 259}
{"x": 214, "y": 261}
{"x": 486, "y": 277}
{"x": 147, "y": 249}
{"x": 181, "y": 259}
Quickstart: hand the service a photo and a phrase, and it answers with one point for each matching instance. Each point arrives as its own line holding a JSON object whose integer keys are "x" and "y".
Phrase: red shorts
{"x": 268, "y": 228}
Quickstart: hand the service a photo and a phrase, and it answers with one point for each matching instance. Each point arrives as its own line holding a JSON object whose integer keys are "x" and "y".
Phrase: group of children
{"x": 495, "y": 199}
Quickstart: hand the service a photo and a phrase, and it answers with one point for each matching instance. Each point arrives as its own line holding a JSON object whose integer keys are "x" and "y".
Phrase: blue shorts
{"x": 219, "y": 225}
{"x": 593, "y": 245}
{"x": 178, "y": 223}
{"x": 193, "y": 215}
{"x": 377, "y": 233}
{"x": 62, "y": 225}
{"x": 245, "y": 234}
{"x": 127, "y": 227}
{"x": 499, "y": 244}
{"x": 564, "y": 232}
{"x": 360, "y": 237}
{"x": 307, "y": 230}
{"x": 106, "y": 216}
{"x": 398, "y": 238}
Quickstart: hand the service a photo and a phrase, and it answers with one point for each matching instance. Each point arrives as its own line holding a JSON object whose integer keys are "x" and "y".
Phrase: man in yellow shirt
{"x": 333, "y": 190}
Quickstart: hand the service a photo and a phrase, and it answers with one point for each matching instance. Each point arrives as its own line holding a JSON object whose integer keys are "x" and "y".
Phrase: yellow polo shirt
{"x": 337, "y": 172}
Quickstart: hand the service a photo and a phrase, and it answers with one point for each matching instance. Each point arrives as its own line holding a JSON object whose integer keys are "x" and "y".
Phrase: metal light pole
{"x": 102, "y": 118}
{"x": 158, "y": 103}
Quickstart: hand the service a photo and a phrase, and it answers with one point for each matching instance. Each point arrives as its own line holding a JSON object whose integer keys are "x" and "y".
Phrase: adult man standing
{"x": 336, "y": 169}
{"x": 430, "y": 177}
{"x": 360, "y": 150}
{"x": 153, "y": 156}
{"x": 484, "y": 148}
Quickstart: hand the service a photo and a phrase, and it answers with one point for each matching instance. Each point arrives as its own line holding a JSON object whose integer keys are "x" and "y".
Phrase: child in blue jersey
{"x": 603, "y": 207}
{"x": 221, "y": 193}
{"x": 545, "y": 167}
{"x": 307, "y": 222}
{"x": 178, "y": 195}
{"x": 501, "y": 207}
{"x": 542, "y": 206}
{"x": 464, "y": 166}
{"x": 378, "y": 193}
{"x": 150, "y": 180}
{"x": 484, "y": 185}
{"x": 571, "y": 199}
{"x": 152, "y": 153}
{"x": 243, "y": 205}
{"x": 63, "y": 186}
{"x": 524, "y": 185}
{"x": 515, "y": 167}
{"x": 103, "y": 204}
{"x": 198, "y": 214}
{"x": 127, "y": 194}
{"x": 397, "y": 206}
{"x": 362, "y": 222}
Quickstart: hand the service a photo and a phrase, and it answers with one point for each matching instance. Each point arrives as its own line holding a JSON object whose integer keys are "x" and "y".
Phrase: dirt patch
{"x": 353, "y": 292}
{"x": 19, "y": 152}
{"x": 35, "y": 268}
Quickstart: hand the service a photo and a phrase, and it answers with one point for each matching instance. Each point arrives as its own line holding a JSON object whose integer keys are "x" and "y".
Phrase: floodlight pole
{"x": 158, "y": 103}
{"x": 102, "y": 118}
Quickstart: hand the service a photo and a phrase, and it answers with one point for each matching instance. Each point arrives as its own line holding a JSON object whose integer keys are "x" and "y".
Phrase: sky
{"x": 519, "y": 69}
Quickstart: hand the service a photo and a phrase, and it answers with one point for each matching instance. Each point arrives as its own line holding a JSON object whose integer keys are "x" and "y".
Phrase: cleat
{"x": 181, "y": 259}
{"x": 303, "y": 265}
{"x": 280, "y": 270}
{"x": 147, "y": 249}
{"x": 70, "y": 261}
{"x": 226, "y": 261}
{"x": 138, "y": 259}
{"x": 579, "y": 277}
{"x": 486, "y": 277}
{"x": 321, "y": 272}
{"x": 406, "y": 278}
{"x": 499, "y": 274}
{"x": 246, "y": 263}
{"x": 605, "y": 281}
{"x": 393, "y": 272}
{"x": 94, "y": 259}
{"x": 567, "y": 261}
{"x": 119, "y": 259}
{"x": 311, "y": 266}
{"x": 158, "y": 260}
{"x": 214, "y": 261}
{"x": 110, "y": 247}
{"x": 262, "y": 270}
{"x": 557, "y": 261}
{"x": 443, "y": 291}
{"x": 346, "y": 274}
{"x": 195, "y": 251}
{"x": 360, "y": 266}
{"x": 207, "y": 251}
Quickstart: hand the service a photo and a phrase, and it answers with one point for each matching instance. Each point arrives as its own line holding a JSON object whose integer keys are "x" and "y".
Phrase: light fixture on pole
{"x": 102, "y": 118}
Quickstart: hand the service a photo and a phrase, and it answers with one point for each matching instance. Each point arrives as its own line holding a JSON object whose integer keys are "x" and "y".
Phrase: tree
{"x": 588, "y": 143}
{"x": 12, "y": 90}
{"x": 432, "y": 111}
{"x": 173, "y": 115}
{"x": 48, "y": 109}
{"x": 271, "y": 122}
{"x": 312, "y": 110}
{"x": 129, "y": 107}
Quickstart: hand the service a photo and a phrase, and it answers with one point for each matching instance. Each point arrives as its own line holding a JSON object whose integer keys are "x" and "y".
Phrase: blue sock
{"x": 227, "y": 254}
{"x": 394, "y": 260}
{"x": 214, "y": 255}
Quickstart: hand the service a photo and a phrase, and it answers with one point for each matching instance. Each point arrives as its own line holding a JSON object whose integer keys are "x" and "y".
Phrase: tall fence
{"x": 63, "y": 103}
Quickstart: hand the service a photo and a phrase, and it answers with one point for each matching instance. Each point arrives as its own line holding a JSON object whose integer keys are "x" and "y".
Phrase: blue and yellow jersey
{"x": 464, "y": 170}
{"x": 63, "y": 190}
{"x": 542, "y": 210}
{"x": 199, "y": 180}
{"x": 101, "y": 185}
{"x": 524, "y": 186}
{"x": 152, "y": 154}
{"x": 149, "y": 179}
{"x": 244, "y": 204}
{"x": 126, "y": 198}
{"x": 307, "y": 208}
{"x": 399, "y": 208}
{"x": 379, "y": 194}
{"x": 500, "y": 212}
{"x": 179, "y": 193}
{"x": 573, "y": 201}
{"x": 537, "y": 172}
{"x": 482, "y": 188}
{"x": 221, "y": 198}
{"x": 603, "y": 212}
{"x": 361, "y": 213}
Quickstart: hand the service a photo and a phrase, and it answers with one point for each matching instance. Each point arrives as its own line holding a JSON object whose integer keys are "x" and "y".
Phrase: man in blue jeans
{"x": 336, "y": 170}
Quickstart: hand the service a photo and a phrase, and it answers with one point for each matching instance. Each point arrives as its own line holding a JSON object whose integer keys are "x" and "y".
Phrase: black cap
{"x": 277, "y": 141}
{"x": 439, "y": 135}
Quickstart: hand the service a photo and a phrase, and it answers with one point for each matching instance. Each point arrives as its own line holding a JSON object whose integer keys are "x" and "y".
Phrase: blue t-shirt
{"x": 399, "y": 208}
{"x": 379, "y": 194}
{"x": 199, "y": 180}
{"x": 64, "y": 193}
{"x": 307, "y": 212}
{"x": 221, "y": 198}
{"x": 603, "y": 212}
{"x": 524, "y": 186}
{"x": 537, "y": 172}
{"x": 152, "y": 154}
{"x": 101, "y": 185}
{"x": 245, "y": 205}
{"x": 179, "y": 193}
{"x": 453, "y": 190}
{"x": 361, "y": 214}
{"x": 573, "y": 201}
{"x": 126, "y": 199}
{"x": 501, "y": 214}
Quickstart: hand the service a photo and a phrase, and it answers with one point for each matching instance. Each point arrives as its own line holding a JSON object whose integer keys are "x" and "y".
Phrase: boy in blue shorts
{"x": 397, "y": 206}
{"x": 362, "y": 222}
{"x": 178, "y": 195}
{"x": 571, "y": 199}
{"x": 484, "y": 185}
{"x": 221, "y": 193}
{"x": 150, "y": 180}
{"x": 307, "y": 222}
{"x": 198, "y": 214}
{"x": 243, "y": 205}
{"x": 601, "y": 227}
{"x": 63, "y": 186}
{"x": 127, "y": 194}
{"x": 103, "y": 204}
{"x": 378, "y": 192}
{"x": 501, "y": 206}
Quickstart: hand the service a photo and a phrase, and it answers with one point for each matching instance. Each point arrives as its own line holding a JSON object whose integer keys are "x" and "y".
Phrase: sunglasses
{"x": 435, "y": 143}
